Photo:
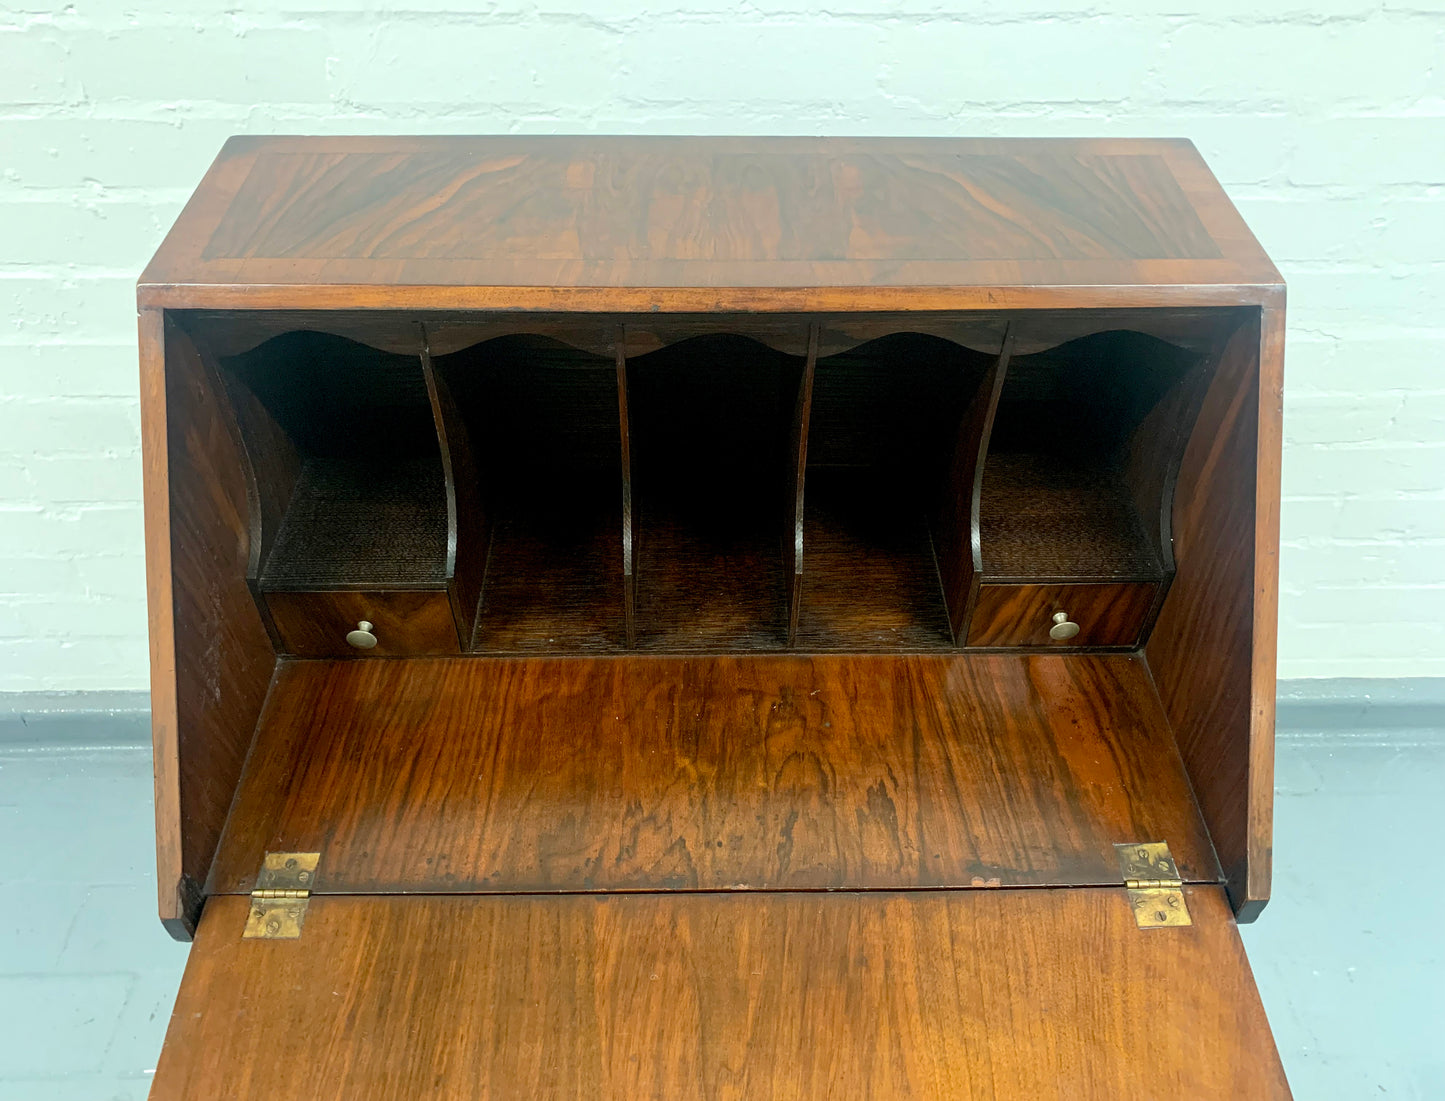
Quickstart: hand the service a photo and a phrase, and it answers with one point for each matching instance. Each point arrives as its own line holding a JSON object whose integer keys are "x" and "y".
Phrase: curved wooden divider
{"x": 955, "y": 533}
{"x": 468, "y": 526}
{"x": 798, "y": 471}
{"x": 629, "y": 545}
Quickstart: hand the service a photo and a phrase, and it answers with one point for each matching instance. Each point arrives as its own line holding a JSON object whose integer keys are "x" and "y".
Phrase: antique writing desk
{"x": 747, "y": 618}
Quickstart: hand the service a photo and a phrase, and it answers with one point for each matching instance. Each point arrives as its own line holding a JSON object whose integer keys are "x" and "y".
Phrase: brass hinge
{"x": 282, "y": 893}
{"x": 1151, "y": 877}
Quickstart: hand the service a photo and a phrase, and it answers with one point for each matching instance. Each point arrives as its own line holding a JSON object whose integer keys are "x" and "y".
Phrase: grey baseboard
{"x": 74, "y": 721}
{"x": 1402, "y": 711}
{"x": 1397, "y": 710}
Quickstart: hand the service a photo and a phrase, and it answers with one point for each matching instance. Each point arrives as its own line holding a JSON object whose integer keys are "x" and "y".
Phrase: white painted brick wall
{"x": 1324, "y": 119}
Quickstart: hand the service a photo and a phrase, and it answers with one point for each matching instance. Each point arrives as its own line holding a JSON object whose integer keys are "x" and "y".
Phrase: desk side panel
{"x": 211, "y": 657}
{"x": 1212, "y": 651}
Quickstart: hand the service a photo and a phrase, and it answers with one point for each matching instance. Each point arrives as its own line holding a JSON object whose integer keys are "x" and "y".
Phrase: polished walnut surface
{"x": 712, "y": 773}
{"x": 628, "y": 223}
{"x": 1049, "y": 995}
{"x": 837, "y": 547}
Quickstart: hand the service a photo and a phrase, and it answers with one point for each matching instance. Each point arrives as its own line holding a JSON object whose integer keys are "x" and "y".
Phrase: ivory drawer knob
{"x": 363, "y": 638}
{"x": 1062, "y": 629}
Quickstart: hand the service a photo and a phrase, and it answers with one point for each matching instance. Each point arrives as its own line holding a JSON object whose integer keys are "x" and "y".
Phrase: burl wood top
{"x": 706, "y": 224}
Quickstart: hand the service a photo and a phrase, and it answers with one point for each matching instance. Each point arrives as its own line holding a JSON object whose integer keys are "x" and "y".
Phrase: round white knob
{"x": 1062, "y": 629}
{"x": 363, "y": 639}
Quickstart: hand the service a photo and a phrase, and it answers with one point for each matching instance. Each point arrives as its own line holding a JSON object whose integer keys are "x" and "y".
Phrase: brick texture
{"x": 1325, "y": 121}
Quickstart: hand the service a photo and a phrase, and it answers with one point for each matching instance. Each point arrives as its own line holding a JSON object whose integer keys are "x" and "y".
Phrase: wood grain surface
{"x": 1063, "y": 496}
{"x": 1021, "y": 615}
{"x": 233, "y": 332}
{"x": 211, "y": 656}
{"x": 580, "y": 774}
{"x": 796, "y": 480}
{"x": 351, "y": 481}
{"x": 887, "y": 415}
{"x": 710, "y": 420}
{"x": 681, "y": 395}
{"x": 1212, "y": 651}
{"x": 555, "y": 576}
{"x": 705, "y": 224}
{"x": 406, "y": 622}
{"x": 629, "y": 510}
{"x": 956, "y": 537}
{"x": 870, "y": 581}
{"x": 544, "y": 421}
{"x": 469, "y": 527}
{"x": 985, "y": 995}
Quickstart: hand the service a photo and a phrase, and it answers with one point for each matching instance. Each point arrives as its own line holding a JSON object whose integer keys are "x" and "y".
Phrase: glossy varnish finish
{"x": 1022, "y": 615}
{"x": 618, "y": 224}
{"x": 870, "y": 580}
{"x": 713, "y": 451}
{"x": 468, "y": 523}
{"x": 957, "y": 539}
{"x": 712, "y": 773}
{"x": 500, "y": 478}
{"x": 740, "y": 480}
{"x": 793, "y": 208}
{"x": 1212, "y": 651}
{"x": 232, "y": 332}
{"x": 211, "y": 659}
{"x": 986, "y": 995}
{"x": 405, "y": 622}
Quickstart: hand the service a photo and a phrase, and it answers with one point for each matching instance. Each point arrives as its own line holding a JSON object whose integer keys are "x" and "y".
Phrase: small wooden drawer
{"x": 403, "y": 622}
{"x": 1024, "y": 615}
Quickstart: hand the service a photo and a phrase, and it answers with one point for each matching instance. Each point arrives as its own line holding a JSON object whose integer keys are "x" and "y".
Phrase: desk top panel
{"x": 600, "y": 223}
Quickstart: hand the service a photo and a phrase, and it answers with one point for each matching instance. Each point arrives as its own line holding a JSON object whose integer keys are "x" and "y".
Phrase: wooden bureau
{"x": 712, "y": 618}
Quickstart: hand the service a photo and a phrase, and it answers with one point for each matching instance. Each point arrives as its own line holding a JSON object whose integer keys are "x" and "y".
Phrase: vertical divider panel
{"x": 629, "y": 557}
{"x": 1156, "y": 451}
{"x": 272, "y": 463}
{"x": 793, "y": 535}
{"x": 955, "y": 531}
{"x": 468, "y": 529}
{"x": 271, "y": 466}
